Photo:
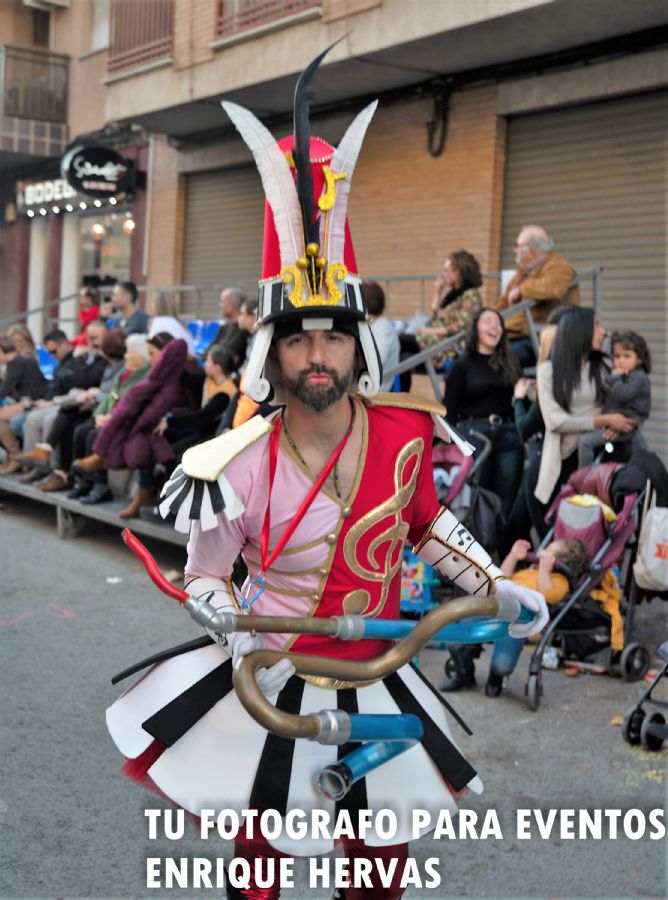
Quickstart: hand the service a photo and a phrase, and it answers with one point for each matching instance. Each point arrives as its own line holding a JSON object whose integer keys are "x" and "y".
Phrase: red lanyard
{"x": 268, "y": 559}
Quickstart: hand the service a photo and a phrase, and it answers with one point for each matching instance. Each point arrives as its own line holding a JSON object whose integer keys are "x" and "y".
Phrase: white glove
{"x": 531, "y": 600}
{"x": 271, "y": 680}
{"x": 225, "y": 595}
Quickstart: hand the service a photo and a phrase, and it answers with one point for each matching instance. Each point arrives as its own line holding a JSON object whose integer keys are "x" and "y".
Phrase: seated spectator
{"x": 89, "y": 311}
{"x": 23, "y": 379}
{"x": 384, "y": 333}
{"x": 242, "y": 407}
{"x": 478, "y": 397}
{"x": 186, "y": 430}
{"x": 22, "y": 339}
{"x": 455, "y": 300}
{"x": 73, "y": 375}
{"x": 554, "y": 587}
{"x": 230, "y": 336}
{"x": 527, "y": 512}
{"x": 163, "y": 318}
{"x": 74, "y": 412}
{"x": 24, "y": 344}
{"x": 124, "y": 308}
{"x": 94, "y": 488}
{"x": 542, "y": 275}
{"x": 246, "y": 323}
{"x": 129, "y": 439}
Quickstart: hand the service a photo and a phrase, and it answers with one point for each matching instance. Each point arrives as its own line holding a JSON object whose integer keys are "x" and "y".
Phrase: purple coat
{"x": 128, "y": 441}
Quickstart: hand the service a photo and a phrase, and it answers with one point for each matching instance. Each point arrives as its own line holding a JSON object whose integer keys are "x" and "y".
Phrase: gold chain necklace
{"x": 295, "y": 448}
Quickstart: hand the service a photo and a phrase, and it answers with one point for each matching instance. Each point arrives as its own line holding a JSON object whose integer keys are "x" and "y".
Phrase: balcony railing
{"x": 139, "y": 33}
{"x": 33, "y": 84}
{"x": 241, "y": 15}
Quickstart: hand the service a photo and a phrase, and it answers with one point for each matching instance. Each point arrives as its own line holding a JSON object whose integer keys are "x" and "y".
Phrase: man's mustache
{"x": 318, "y": 370}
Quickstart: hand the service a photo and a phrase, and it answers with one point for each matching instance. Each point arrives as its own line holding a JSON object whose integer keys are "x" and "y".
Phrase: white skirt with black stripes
{"x": 216, "y": 756}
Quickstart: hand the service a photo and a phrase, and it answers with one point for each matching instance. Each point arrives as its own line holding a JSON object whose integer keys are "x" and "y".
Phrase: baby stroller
{"x": 639, "y": 727}
{"x": 456, "y": 480}
{"x": 578, "y": 627}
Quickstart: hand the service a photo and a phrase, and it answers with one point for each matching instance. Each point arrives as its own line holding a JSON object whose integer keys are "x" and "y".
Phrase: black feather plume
{"x": 301, "y": 152}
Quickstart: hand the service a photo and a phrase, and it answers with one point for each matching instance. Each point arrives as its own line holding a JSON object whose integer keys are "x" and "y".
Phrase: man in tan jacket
{"x": 542, "y": 275}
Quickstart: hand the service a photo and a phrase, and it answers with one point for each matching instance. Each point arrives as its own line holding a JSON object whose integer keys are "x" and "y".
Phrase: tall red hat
{"x": 309, "y": 271}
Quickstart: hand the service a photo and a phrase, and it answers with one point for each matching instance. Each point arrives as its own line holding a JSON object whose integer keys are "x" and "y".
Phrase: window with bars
{"x": 139, "y": 33}
{"x": 241, "y": 15}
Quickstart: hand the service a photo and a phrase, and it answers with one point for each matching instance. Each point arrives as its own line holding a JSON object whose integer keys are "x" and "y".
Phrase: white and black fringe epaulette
{"x": 198, "y": 489}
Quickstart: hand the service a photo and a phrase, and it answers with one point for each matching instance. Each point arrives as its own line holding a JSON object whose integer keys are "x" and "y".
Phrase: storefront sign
{"x": 97, "y": 171}
{"x": 40, "y": 193}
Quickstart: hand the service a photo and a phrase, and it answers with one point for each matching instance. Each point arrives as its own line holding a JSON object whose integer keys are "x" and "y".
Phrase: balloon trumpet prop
{"x": 382, "y": 737}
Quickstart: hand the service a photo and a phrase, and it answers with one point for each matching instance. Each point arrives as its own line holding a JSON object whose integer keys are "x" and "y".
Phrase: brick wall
{"x": 194, "y": 29}
{"x": 165, "y": 216}
{"x": 409, "y": 209}
{"x": 87, "y": 94}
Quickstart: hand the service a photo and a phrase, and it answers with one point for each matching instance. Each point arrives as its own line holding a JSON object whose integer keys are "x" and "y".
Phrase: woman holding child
{"x": 572, "y": 392}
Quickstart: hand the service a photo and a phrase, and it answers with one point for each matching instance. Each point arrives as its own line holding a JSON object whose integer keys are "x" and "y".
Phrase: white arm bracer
{"x": 222, "y": 595}
{"x": 455, "y": 553}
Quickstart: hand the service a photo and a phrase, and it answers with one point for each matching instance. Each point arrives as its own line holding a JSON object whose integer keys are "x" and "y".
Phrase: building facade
{"x": 491, "y": 116}
{"x": 53, "y": 238}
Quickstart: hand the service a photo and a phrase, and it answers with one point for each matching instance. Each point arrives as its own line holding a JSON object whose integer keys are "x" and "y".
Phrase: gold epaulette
{"x": 206, "y": 461}
{"x": 406, "y": 401}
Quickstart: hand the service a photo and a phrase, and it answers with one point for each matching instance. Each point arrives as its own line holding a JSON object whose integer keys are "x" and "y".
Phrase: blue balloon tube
{"x": 470, "y": 631}
{"x": 336, "y": 780}
{"x": 372, "y": 727}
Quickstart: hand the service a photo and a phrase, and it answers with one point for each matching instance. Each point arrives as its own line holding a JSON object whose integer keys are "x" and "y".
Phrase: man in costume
{"x": 319, "y": 500}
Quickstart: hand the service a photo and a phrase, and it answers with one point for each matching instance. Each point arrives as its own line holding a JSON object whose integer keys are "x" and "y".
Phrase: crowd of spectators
{"x": 130, "y": 392}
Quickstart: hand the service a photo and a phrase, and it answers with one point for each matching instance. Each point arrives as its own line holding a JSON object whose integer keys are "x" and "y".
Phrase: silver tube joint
{"x": 349, "y": 628}
{"x": 334, "y": 725}
{"x": 509, "y": 608}
{"x": 222, "y": 621}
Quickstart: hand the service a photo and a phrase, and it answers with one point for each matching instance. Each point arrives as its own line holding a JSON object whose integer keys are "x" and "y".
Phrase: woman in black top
{"x": 23, "y": 377}
{"x": 479, "y": 397}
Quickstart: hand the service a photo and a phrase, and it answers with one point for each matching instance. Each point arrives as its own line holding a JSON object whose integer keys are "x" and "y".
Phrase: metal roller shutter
{"x": 224, "y": 220}
{"x": 595, "y": 177}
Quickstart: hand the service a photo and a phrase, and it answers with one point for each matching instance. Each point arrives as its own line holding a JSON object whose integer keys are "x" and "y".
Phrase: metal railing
{"x": 417, "y": 287}
{"x": 192, "y": 296}
{"x": 235, "y": 16}
{"x": 139, "y": 33}
{"x": 425, "y": 357}
{"x": 405, "y": 294}
{"x": 33, "y": 84}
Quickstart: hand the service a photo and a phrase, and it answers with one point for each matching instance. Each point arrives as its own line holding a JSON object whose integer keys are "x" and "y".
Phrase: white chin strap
{"x": 255, "y": 386}
{"x": 261, "y": 373}
{"x": 369, "y": 382}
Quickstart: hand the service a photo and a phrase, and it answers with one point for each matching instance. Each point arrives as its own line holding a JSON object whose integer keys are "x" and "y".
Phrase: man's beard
{"x": 319, "y": 397}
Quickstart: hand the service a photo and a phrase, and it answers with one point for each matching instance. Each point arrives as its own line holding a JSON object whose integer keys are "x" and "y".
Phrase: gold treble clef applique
{"x": 378, "y": 566}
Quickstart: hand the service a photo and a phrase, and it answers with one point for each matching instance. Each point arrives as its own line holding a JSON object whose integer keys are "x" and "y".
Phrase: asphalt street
{"x": 73, "y": 612}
